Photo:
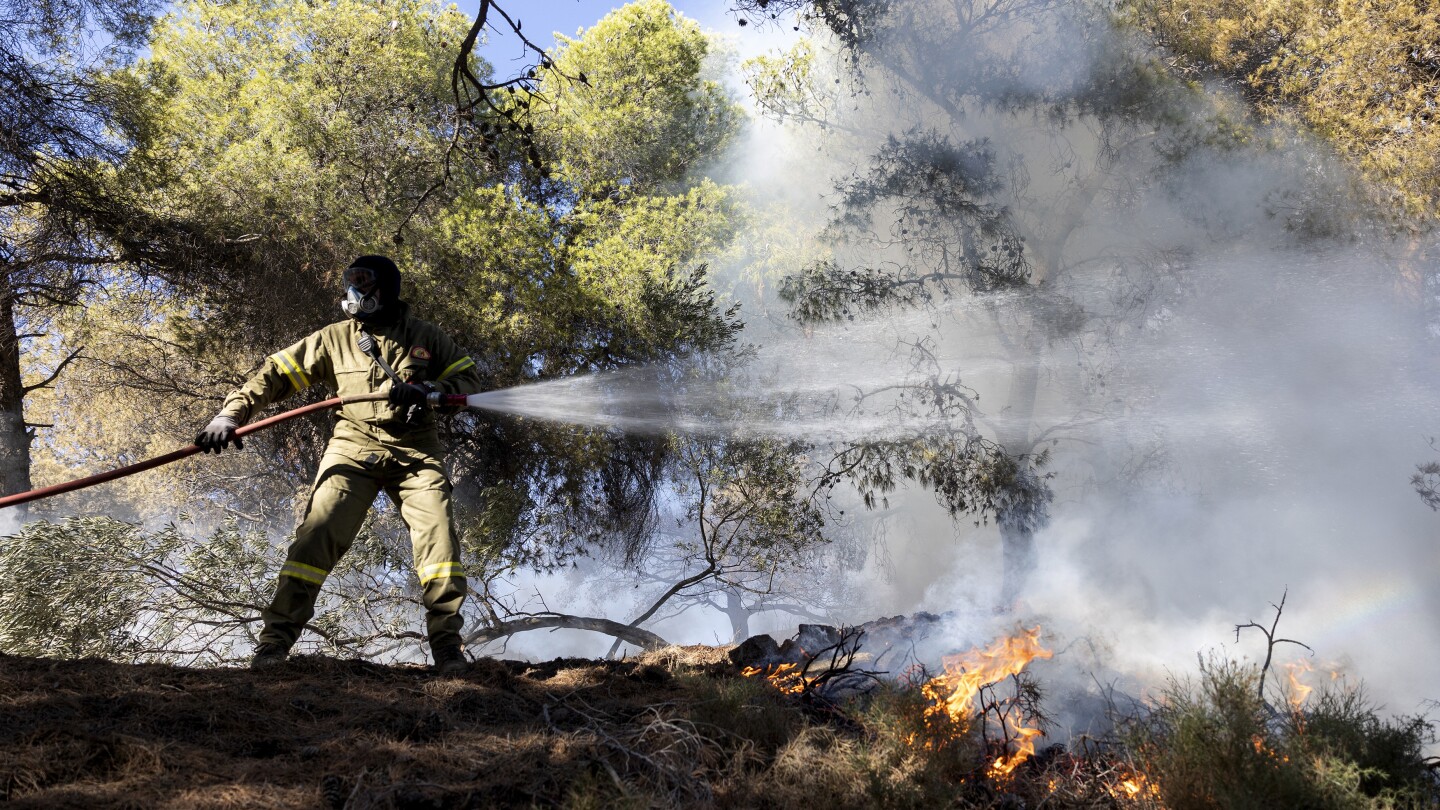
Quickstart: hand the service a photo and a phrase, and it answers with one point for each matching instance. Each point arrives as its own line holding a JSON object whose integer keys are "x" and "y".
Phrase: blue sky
{"x": 542, "y": 18}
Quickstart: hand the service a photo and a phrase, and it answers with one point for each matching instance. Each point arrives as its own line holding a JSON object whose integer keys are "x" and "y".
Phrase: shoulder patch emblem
{"x": 420, "y": 353}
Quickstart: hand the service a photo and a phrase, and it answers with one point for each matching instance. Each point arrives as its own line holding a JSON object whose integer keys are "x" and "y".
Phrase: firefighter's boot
{"x": 268, "y": 655}
{"x": 449, "y": 660}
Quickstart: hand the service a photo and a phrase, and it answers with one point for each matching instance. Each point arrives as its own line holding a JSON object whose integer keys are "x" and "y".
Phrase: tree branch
{"x": 632, "y": 635}
{"x": 26, "y": 389}
{"x": 1271, "y": 640}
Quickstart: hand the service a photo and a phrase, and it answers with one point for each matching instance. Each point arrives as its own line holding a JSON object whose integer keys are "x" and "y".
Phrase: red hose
{"x": 184, "y": 452}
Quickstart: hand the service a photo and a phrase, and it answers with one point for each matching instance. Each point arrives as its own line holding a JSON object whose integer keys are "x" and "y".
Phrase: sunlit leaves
{"x": 1362, "y": 73}
{"x": 646, "y": 116}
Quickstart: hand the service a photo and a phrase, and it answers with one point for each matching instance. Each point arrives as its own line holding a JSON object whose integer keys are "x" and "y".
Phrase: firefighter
{"x": 391, "y": 445}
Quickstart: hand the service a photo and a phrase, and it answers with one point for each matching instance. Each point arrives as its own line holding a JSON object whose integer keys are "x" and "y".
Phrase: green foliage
{"x": 272, "y": 88}
{"x": 1214, "y": 743}
{"x": 1343, "y": 729}
{"x": 60, "y": 141}
{"x": 786, "y": 86}
{"x": 288, "y": 137}
{"x": 646, "y": 117}
{"x": 75, "y": 589}
{"x": 309, "y": 133}
{"x": 102, "y": 587}
{"x": 283, "y": 138}
{"x": 540, "y": 293}
{"x": 747, "y": 500}
{"x": 1361, "y": 73}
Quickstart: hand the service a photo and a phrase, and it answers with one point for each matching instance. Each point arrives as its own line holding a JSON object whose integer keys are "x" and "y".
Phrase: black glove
{"x": 408, "y": 395}
{"x": 218, "y": 435}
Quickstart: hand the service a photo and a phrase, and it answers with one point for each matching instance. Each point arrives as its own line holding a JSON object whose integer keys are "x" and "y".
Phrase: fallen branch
{"x": 643, "y": 639}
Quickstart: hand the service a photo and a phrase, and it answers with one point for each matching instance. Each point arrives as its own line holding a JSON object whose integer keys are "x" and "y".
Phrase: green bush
{"x": 1215, "y": 743}
{"x": 100, "y": 587}
{"x": 79, "y": 589}
{"x": 1342, "y": 725}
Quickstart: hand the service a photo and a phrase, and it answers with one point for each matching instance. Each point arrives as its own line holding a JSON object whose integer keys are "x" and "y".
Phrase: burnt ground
{"x": 321, "y": 732}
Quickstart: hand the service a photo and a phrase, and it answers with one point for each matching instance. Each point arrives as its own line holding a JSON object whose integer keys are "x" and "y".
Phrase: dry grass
{"x": 675, "y": 728}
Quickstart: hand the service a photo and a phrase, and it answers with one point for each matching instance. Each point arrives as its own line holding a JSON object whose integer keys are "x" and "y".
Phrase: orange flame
{"x": 1262, "y": 748}
{"x": 1299, "y": 690}
{"x": 1024, "y": 749}
{"x": 788, "y": 678}
{"x": 952, "y": 694}
{"x": 1135, "y": 786}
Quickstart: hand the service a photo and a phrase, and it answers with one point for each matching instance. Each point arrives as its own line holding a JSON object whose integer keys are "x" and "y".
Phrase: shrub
{"x": 1387, "y": 755}
{"x": 1215, "y": 743}
{"x": 75, "y": 589}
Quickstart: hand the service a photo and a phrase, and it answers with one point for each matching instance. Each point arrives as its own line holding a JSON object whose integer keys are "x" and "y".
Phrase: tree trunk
{"x": 1017, "y": 510}
{"x": 1017, "y": 549}
{"x": 738, "y": 614}
{"x": 14, "y": 438}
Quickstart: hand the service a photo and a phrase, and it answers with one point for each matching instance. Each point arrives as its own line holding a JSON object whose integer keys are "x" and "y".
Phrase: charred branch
{"x": 1271, "y": 640}
{"x": 643, "y": 639}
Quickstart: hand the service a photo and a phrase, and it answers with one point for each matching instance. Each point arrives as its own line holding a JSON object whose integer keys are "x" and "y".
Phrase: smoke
{"x": 1235, "y": 419}
{"x": 10, "y": 522}
{"x": 1291, "y": 403}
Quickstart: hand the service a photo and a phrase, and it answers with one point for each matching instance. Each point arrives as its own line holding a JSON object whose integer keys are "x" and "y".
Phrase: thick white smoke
{"x": 1240, "y": 416}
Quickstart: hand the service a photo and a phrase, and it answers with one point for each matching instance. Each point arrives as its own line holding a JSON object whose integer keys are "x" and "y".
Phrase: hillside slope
{"x": 677, "y": 728}
{"x": 318, "y": 732}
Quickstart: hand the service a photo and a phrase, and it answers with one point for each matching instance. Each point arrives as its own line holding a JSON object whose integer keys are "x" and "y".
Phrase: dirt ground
{"x": 320, "y": 732}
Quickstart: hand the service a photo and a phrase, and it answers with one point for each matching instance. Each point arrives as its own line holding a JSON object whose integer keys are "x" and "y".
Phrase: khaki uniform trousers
{"x": 343, "y": 493}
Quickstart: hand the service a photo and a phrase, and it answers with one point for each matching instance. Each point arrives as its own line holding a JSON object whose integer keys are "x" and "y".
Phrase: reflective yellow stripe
{"x": 304, "y": 573}
{"x": 439, "y": 570}
{"x": 456, "y": 367}
{"x": 292, "y": 370}
{"x": 299, "y": 372}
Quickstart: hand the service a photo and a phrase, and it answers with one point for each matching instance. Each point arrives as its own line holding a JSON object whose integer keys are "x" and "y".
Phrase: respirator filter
{"x": 357, "y": 304}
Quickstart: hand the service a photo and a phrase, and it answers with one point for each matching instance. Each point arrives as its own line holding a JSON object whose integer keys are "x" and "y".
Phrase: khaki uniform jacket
{"x": 417, "y": 350}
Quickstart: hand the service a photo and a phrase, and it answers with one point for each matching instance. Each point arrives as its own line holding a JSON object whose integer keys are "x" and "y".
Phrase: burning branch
{"x": 969, "y": 679}
{"x": 813, "y": 683}
{"x": 1017, "y": 718}
{"x": 1271, "y": 640}
{"x": 842, "y": 656}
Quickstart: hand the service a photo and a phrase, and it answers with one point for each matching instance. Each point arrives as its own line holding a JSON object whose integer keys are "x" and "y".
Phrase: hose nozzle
{"x": 439, "y": 400}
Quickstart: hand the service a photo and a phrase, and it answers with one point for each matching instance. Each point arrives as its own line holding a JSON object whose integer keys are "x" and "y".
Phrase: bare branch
{"x": 631, "y": 635}
{"x": 1271, "y": 640}
{"x": 59, "y": 369}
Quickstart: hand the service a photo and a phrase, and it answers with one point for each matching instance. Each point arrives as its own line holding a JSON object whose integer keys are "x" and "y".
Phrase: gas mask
{"x": 358, "y": 305}
{"x": 361, "y": 300}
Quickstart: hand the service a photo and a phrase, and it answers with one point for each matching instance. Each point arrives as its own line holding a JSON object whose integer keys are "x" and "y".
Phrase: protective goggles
{"x": 361, "y": 278}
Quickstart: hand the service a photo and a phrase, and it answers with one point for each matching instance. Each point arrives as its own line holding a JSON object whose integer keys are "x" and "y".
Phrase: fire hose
{"x": 190, "y": 450}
